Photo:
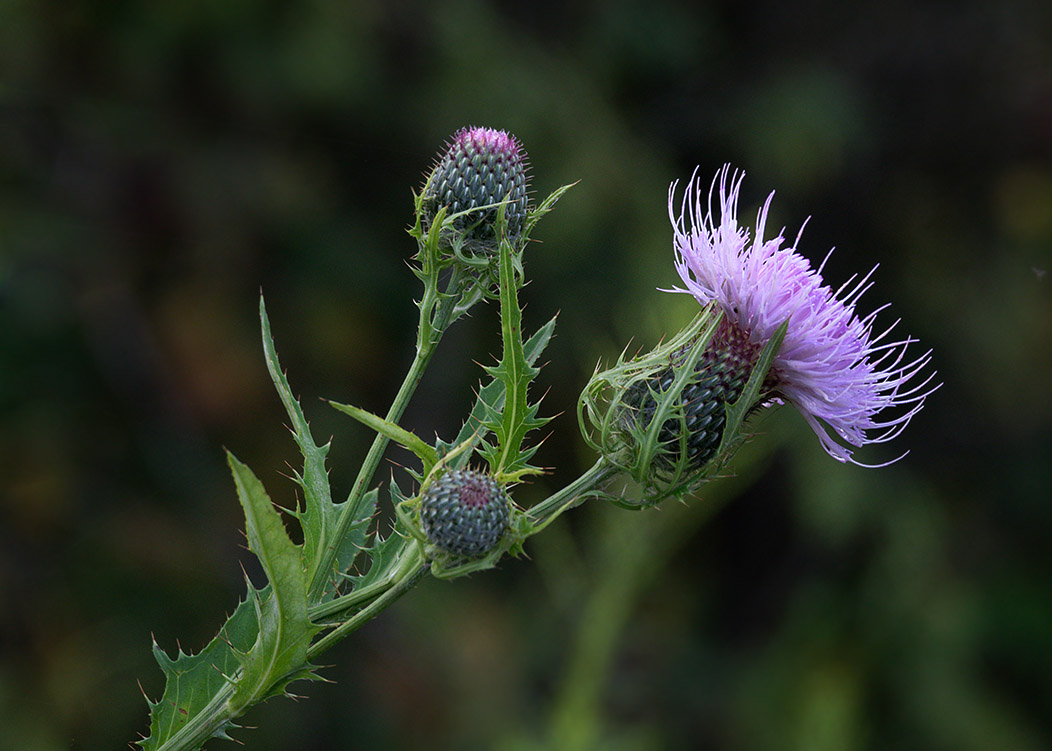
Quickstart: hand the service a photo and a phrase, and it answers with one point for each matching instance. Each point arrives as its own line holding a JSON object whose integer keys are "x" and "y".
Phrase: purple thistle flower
{"x": 831, "y": 366}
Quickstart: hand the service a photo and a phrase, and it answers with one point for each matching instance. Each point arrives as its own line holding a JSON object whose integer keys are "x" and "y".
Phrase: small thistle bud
{"x": 480, "y": 167}
{"x": 465, "y": 513}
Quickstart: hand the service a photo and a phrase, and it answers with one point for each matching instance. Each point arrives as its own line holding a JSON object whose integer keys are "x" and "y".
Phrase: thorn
{"x": 148, "y": 700}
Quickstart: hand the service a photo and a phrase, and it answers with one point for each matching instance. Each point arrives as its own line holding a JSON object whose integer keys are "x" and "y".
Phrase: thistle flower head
{"x": 479, "y": 169}
{"x": 671, "y": 418}
{"x": 853, "y": 386}
{"x": 465, "y": 513}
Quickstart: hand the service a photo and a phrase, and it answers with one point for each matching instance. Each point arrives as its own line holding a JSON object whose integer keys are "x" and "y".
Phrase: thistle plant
{"x": 769, "y": 331}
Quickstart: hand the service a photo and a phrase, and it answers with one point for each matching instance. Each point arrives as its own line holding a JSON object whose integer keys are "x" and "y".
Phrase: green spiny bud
{"x": 480, "y": 167}
{"x": 465, "y": 513}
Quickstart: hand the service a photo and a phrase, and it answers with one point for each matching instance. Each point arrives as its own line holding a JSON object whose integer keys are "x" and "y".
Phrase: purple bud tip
{"x": 486, "y": 139}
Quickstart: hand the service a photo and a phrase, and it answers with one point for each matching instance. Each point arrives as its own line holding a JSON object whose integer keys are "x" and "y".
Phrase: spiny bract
{"x": 719, "y": 377}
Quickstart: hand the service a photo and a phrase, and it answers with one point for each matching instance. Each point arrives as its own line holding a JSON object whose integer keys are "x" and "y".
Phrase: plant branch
{"x": 429, "y": 334}
{"x": 409, "y": 573}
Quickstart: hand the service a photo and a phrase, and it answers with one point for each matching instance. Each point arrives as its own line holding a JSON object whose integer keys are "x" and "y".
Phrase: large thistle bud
{"x": 480, "y": 169}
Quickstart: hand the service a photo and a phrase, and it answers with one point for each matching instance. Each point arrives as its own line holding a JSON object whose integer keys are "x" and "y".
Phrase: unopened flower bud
{"x": 465, "y": 513}
{"x": 480, "y": 167}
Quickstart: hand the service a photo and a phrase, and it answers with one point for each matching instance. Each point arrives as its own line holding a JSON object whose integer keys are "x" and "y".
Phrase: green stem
{"x": 573, "y": 494}
{"x": 429, "y": 334}
{"x": 330, "y": 608}
{"x": 633, "y": 552}
{"x": 409, "y": 573}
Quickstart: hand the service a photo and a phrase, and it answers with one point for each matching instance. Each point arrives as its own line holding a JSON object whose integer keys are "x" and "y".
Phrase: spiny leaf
{"x": 546, "y": 205}
{"x": 191, "y": 681}
{"x": 383, "y": 560}
{"x": 316, "y": 513}
{"x": 279, "y": 653}
{"x": 319, "y": 515}
{"x": 490, "y": 400}
{"x": 515, "y": 372}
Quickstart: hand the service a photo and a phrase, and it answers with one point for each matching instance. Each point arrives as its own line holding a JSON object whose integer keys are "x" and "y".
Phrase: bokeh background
{"x": 162, "y": 162}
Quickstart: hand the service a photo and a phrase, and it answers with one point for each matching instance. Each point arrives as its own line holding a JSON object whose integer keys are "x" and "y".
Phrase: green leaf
{"x": 384, "y": 556}
{"x": 193, "y": 681}
{"x": 319, "y": 516}
{"x": 508, "y": 461}
{"x": 396, "y": 433}
{"x": 546, "y": 205}
{"x": 279, "y": 653}
{"x": 490, "y": 400}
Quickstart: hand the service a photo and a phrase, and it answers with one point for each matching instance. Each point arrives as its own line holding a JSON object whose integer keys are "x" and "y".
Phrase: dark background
{"x": 160, "y": 163}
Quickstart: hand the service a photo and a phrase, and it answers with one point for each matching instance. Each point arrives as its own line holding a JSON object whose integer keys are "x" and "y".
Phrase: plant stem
{"x": 429, "y": 334}
{"x": 330, "y": 608}
{"x": 632, "y": 553}
{"x": 409, "y": 573}
{"x": 573, "y": 494}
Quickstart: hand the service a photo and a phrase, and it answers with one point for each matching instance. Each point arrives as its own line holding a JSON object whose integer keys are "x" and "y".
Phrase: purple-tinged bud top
{"x": 480, "y": 167}
{"x": 465, "y": 513}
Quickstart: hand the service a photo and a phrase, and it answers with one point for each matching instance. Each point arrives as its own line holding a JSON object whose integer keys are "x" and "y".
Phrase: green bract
{"x": 698, "y": 415}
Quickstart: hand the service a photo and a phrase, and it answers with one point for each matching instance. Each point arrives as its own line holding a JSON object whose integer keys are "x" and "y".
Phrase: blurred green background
{"x": 162, "y": 162}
